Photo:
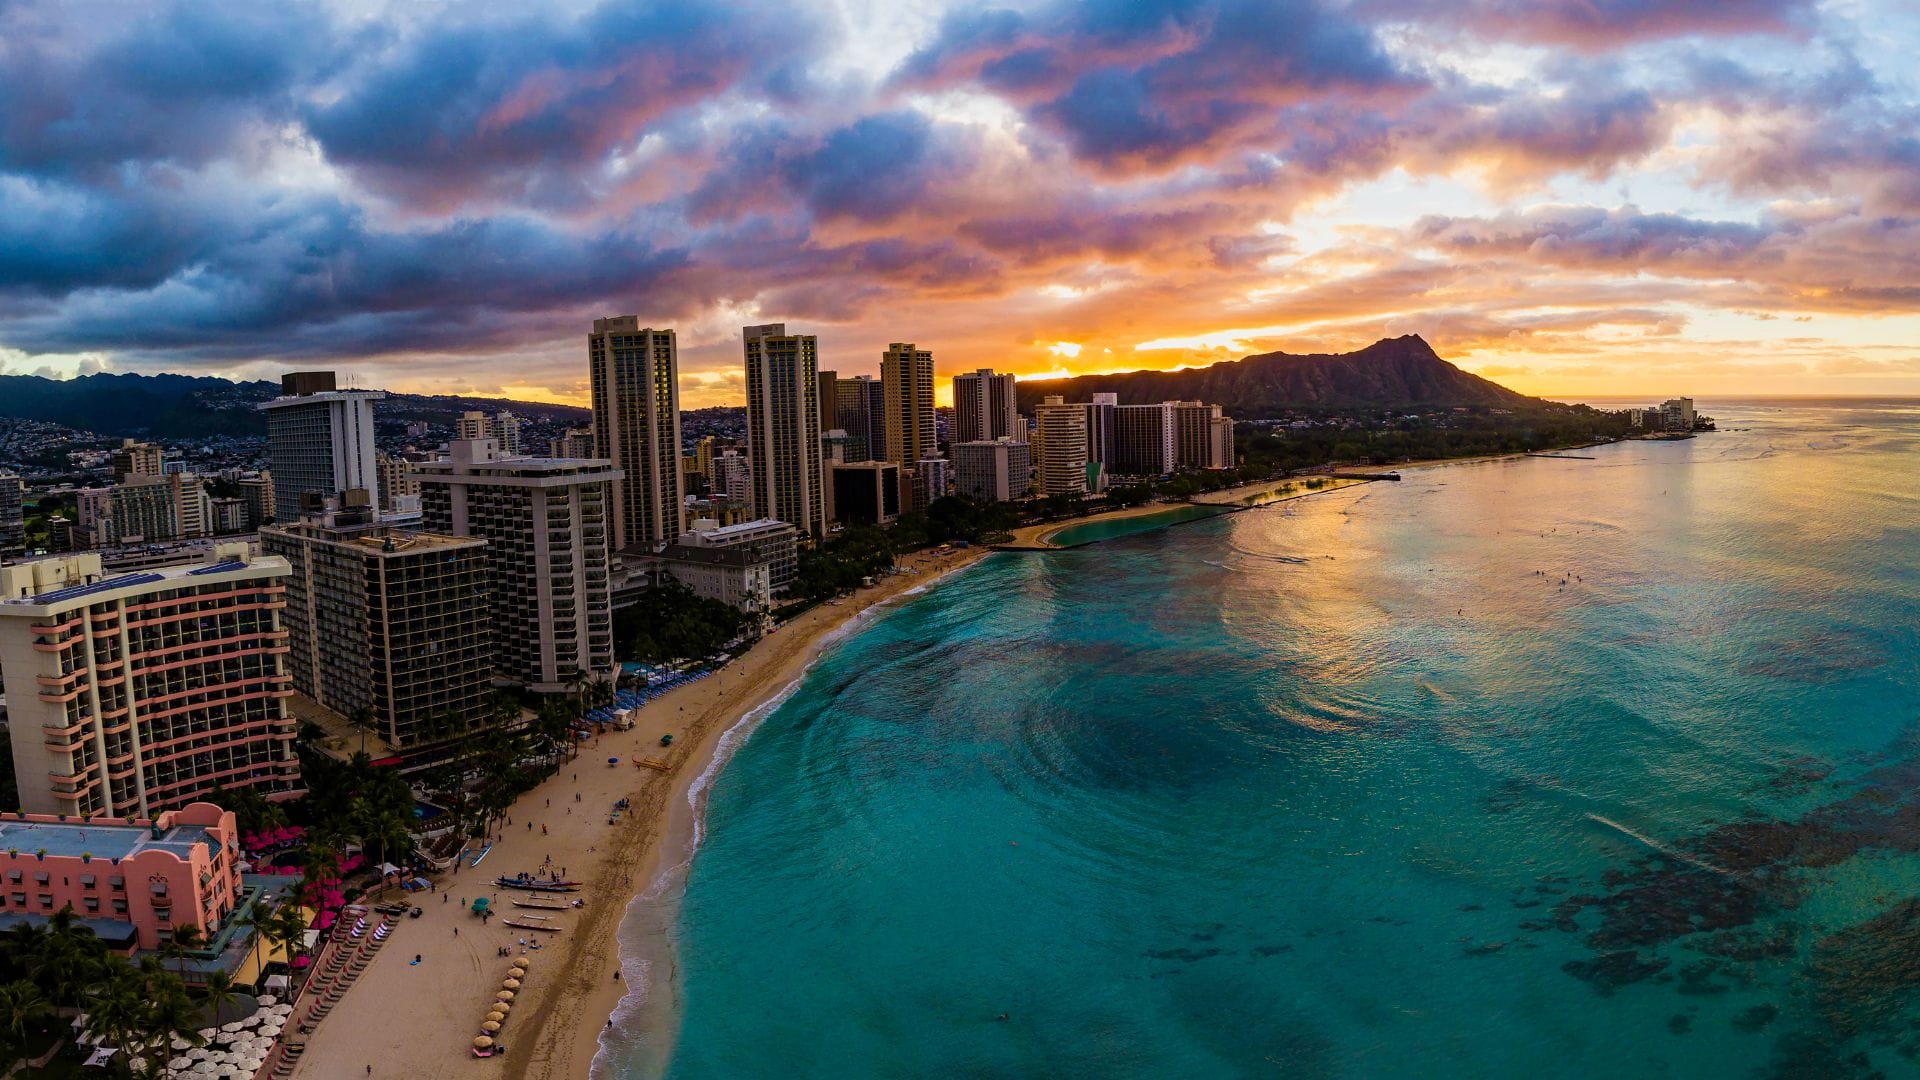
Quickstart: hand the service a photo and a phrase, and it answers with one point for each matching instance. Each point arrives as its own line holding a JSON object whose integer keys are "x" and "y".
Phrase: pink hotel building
{"x": 129, "y": 694}
{"x": 132, "y": 882}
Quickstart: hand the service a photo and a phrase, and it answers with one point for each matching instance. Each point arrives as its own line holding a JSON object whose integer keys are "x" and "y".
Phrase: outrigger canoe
{"x": 522, "y": 925}
{"x": 533, "y": 884}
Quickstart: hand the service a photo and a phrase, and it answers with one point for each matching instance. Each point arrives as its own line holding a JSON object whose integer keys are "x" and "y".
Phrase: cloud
{"x": 1602, "y": 24}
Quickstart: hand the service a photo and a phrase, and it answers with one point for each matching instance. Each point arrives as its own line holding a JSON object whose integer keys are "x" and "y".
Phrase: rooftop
{"x": 67, "y": 584}
{"x": 71, "y": 839}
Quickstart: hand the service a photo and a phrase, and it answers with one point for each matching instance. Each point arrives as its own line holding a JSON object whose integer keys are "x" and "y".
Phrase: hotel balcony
{"x": 53, "y": 629}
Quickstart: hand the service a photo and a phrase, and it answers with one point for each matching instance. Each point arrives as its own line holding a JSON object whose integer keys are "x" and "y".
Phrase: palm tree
{"x": 362, "y": 718}
{"x": 172, "y": 1015}
{"x": 22, "y": 1005}
{"x": 219, "y": 992}
{"x": 185, "y": 939}
{"x": 117, "y": 1005}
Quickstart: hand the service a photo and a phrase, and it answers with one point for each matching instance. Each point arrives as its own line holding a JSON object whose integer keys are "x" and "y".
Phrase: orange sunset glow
{"x": 1573, "y": 199}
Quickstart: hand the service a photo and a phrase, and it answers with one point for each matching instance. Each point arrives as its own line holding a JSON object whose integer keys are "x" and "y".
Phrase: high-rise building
{"x": 906, "y": 377}
{"x": 866, "y": 492}
{"x": 320, "y": 443}
{"x": 136, "y": 458}
{"x": 1144, "y": 440}
{"x": 1197, "y": 436}
{"x": 930, "y": 479}
{"x": 1100, "y": 425}
{"x": 783, "y": 427}
{"x": 258, "y": 492}
{"x": 545, "y": 524}
{"x": 138, "y": 692}
{"x": 829, "y": 400}
{"x": 575, "y": 443}
{"x": 861, "y": 405}
{"x": 397, "y": 482}
{"x": 1677, "y": 414}
{"x": 769, "y": 540}
{"x": 731, "y": 474}
{"x": 138, "y": 510}
{"x": 503, "y": 428}
{"x": 229, "y": 516}
{"x": 1060, "y": 447}
{"x": 997, "y": 470}
{"x": 13, "y": 514}
{"x": 635, "y": 373}
{"x": 984, "y": 408}
{"x": 703, "y": 455}
{"x": 392, "y": 622}
{"x": 192, "y": 506}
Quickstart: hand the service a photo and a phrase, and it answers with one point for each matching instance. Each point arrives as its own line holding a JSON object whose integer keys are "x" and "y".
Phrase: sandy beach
{"x": 417, "y": 1020}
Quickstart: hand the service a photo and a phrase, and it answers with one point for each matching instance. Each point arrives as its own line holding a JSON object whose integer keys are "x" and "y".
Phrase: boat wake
{"x": 1671, "y": 853}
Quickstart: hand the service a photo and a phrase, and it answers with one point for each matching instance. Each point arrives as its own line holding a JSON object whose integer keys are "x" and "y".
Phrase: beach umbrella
{"x": 516, "y": 972}
{"x": 268, "y": 999}
{"x": 496, "y": 1014}
{"x": 522, "y": 960}
{"x": 503, "y": 1006}
{"x": 511, "y": 984}
{"x": 176, "y": 1064}
{"x": 481, "y": 1042}
{"x": 208, "y": 1033}
{"x": 181, "y": 1044}
{"x": 490, "y": 1026}
{"x": 504, "y": 995}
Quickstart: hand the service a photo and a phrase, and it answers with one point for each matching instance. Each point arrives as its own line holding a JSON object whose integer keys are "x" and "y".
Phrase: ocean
{"x": 1525, "y": 768}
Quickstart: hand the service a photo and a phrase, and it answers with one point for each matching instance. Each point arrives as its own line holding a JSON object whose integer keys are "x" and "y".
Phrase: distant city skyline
{"x": 1576, "y": 199}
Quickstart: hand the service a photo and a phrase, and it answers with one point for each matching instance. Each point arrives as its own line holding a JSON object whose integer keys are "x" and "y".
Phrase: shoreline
{"x": 418, "y": 1023}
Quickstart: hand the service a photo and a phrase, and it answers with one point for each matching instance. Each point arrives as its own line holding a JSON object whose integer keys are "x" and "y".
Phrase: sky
{"x": 1573, "y": 197}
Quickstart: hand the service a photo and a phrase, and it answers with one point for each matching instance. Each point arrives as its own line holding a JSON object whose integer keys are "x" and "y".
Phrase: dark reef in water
{"x": 1710, "y": 893}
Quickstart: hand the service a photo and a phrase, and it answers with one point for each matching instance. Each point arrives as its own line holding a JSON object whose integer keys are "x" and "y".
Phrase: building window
{"x": 46, "y": 901}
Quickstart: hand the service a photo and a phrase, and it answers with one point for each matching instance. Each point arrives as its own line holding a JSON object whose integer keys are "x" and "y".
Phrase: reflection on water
{"x": 1544, "y": 767}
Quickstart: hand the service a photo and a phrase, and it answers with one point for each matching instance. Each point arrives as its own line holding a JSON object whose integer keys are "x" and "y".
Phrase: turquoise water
{"x": 1114, "y": 528}
{"x": 1348, "y": 787}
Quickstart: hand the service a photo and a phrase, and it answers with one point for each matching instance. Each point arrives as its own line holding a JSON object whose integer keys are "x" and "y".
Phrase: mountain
{"x": 1391, "y": 373}
{"x": 189, "y": 406}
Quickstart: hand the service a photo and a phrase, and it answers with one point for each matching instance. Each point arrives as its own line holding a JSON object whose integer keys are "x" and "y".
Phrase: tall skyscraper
{"x": 636, "y": 425}
{"x": 906, "y": 375}
{"x": 134, "y": 693}
{"x": 1198, "y": 436}
{"x": 13, "y": 519}
{"x": 1060, "y": 447}
{"x": 862, "y": 409}
{"x": 984, "y": 408}
{"x": 545, "y": 523}
{"x": 320, "y": 442}
{"x": 1100, "y": 421}
{"x": 1145, "y": 442}
{"x": 783, "y": 427}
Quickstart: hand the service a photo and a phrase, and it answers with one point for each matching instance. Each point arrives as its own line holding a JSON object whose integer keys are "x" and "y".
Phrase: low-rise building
{"x": 866, "y": 493}
{"x": 771, "y": 541}
{"x": 135, "y": 882}
{"x": 736, "y": 576}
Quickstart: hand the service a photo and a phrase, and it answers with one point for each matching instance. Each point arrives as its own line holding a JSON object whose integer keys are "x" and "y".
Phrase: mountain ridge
{"x": 1401, "y": 372}
{"x": 188, "y": 406}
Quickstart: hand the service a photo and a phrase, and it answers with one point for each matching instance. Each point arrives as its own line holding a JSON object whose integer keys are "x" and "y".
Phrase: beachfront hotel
{"x": 392, "y": 622}
{"x": 1145, "y": 440}
{"x": 783, "y": 427}
{"x": 133, "y": 881}
{"x": 135, "y": 693}
{"x": 906, "y": 379}
{"x": 320, "y": 440}
{"x": 994, "y": 470}
{"x": 1203, "y": 436}
{"x": 1059, "y": 447}
{"x": 548, "y": 585}
{"x": 634, "y": 372}
{"x": 985, "y": 408}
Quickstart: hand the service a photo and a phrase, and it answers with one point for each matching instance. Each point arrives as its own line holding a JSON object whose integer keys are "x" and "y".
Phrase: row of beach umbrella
{"x": 502, "y": 1004}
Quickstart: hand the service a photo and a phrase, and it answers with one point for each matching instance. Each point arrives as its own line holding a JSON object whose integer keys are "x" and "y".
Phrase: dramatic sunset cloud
{"x": 1579, "y": 198}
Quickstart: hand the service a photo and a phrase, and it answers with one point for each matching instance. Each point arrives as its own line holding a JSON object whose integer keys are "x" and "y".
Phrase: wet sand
{"x": 418, "y": 1021}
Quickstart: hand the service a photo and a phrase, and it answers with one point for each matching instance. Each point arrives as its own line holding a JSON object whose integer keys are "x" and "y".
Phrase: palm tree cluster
{"x": 139, "y": 1007}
